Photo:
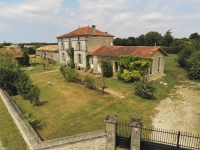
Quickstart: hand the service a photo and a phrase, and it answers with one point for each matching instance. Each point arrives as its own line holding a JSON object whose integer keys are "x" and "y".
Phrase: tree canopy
{"x": 15, "y": 80}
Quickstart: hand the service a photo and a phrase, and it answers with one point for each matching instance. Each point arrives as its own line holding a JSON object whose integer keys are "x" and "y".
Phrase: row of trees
{"x": 149, "y": 39}
{"x": 168, "y": 42}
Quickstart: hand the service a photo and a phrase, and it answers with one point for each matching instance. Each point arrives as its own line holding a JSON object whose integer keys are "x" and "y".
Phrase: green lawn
{"x": 39, "y": 68}
{"x": 10, "y": 136}
{"x": 70, "y": 108}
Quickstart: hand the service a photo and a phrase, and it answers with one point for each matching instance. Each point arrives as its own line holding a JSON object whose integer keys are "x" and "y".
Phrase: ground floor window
{"x": 79, "y": 60}
{"x": 159, "y": 63}
{"x": 151, "y": 69}
{"x": 63, "y": 56}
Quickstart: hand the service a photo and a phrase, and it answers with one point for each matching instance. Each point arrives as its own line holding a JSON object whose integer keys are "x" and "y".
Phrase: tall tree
{"x": 168, "y": 38}
{"x": 140, "y": 40}
{"x": 153, "y": 38}
{"x": 194, "y": 36}
{"x": 117, "y": 42}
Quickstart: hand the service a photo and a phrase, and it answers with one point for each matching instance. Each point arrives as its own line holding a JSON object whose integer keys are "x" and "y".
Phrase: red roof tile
{"x": 84, "y": 31}
{"x": 115, "y": 51}
{"x": 16, "y": 54}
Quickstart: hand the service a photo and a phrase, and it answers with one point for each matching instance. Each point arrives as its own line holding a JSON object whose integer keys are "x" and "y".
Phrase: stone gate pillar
{"x": 136, "y": 129}
{"x": 111, "y": 121}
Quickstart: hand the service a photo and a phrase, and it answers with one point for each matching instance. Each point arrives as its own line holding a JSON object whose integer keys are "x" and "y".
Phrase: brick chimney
{"x": 93, "y": 29}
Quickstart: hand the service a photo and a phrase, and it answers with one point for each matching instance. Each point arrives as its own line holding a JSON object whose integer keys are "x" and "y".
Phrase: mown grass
{"x": 10, "y": 136}
{"x": 40, "y": 68}
{"x": 70, "y": 108}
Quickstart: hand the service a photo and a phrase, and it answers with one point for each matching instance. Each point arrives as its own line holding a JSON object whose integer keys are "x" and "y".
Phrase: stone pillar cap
{"x": 137, "y": 122}
{"x": 111, "y": 118}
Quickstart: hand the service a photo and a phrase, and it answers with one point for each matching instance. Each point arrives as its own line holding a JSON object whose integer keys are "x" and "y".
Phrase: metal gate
{"x": 160, "y": 139}
{"x": 123, "y": 135}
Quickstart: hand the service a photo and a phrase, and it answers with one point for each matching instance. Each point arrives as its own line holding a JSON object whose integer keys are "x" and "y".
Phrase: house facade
{"x": 83, "y": 40}
{"x": 113, "y": 52}
{"x": 48, "y": 51}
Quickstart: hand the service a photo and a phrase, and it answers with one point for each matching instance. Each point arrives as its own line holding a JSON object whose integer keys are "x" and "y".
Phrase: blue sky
{"x": 44, "y": 20}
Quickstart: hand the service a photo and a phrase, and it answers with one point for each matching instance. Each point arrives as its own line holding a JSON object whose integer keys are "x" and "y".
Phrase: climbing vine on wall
{"x": 134, "y": 67}
{"x": 88, "y": 56}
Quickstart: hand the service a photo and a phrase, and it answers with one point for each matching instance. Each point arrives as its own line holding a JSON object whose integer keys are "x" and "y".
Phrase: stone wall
{"x": 90, "y": 141}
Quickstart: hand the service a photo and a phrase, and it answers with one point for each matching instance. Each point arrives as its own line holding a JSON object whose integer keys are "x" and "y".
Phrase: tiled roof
{"x": 85, "y": 31}
{"x": 48, "y": 48}
{"x": 15, "y": 53}
{"x": 115, "y": 51}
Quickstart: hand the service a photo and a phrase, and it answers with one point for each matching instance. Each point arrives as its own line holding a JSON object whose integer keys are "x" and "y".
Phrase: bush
{"x": 145, "y": 89}
{"x": 70, "y": 75}
{"x": 193, "y": 65}
{"x": 106, "y": 67}
{"x": 90, "y": 82}
{"x": 184, "y": 55}
{"x": 133, "y": 75}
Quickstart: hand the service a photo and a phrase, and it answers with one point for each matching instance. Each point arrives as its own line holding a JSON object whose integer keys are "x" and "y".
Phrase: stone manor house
{"x": 89, "y": 40}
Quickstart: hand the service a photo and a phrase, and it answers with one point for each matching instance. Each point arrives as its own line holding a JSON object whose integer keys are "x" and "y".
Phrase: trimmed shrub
{"x": 70, "y": 75}
{"x": 184, "y": 55}
{"x": 145, "y": 89}
{"x": 106, "y": 67}
{"x": 193, "y": 65}
{"x": 90, "y": 82}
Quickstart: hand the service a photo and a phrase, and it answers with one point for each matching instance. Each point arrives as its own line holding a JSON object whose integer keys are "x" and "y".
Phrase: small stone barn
{"x": 48, "y": 51}
{"x": 155, "y": 52}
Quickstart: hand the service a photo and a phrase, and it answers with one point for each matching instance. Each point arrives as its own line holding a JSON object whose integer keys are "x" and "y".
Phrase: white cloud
{"x": 37, "y": 9}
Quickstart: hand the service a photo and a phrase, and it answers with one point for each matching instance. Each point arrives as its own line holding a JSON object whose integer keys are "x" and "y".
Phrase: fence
{"x": 181, "y": 140}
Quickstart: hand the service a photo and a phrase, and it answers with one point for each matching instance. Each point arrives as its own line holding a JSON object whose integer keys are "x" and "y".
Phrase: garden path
{"x": 44, "y": 72}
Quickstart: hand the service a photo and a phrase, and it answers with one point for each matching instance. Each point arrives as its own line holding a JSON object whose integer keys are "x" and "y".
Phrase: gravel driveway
{"x": 181, "y": 110}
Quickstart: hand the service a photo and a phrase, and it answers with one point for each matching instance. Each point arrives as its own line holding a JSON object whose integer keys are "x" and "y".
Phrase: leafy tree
{"x": 177, "y": 45}
{"x": 184, "y": 54}
{"x": 141, "y": 41}
{"x": 106, "y": 67}
{"x": 131, "y": 41}
{"x": 12, "y": 78}
{"x": 7, "y": 60}
{"x": 145, "y": 89}
{"x": 25, "y": 59}
{"x": 194, "y": 36}
{"x": 193, "y": 65}
{"x": 70, "y": 75}
{"x": 117, "y": 42}
{"x": 168, "y": 38}
{"x": 31, "y": 50}
{"x": 101, "y": 82}
{"x": 153, "y": 38}
{"x": 90, "y": 81}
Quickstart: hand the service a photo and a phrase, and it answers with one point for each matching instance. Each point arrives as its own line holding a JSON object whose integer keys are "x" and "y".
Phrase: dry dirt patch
{"x": 180, "y": 111}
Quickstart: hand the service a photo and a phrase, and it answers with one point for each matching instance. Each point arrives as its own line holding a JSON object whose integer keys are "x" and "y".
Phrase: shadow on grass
{"x": 37, "y": 125}
{"x": 43, "y": 103}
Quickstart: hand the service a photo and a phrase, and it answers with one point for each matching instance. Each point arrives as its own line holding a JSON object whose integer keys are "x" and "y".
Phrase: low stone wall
{"x": 90, "y": 141}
